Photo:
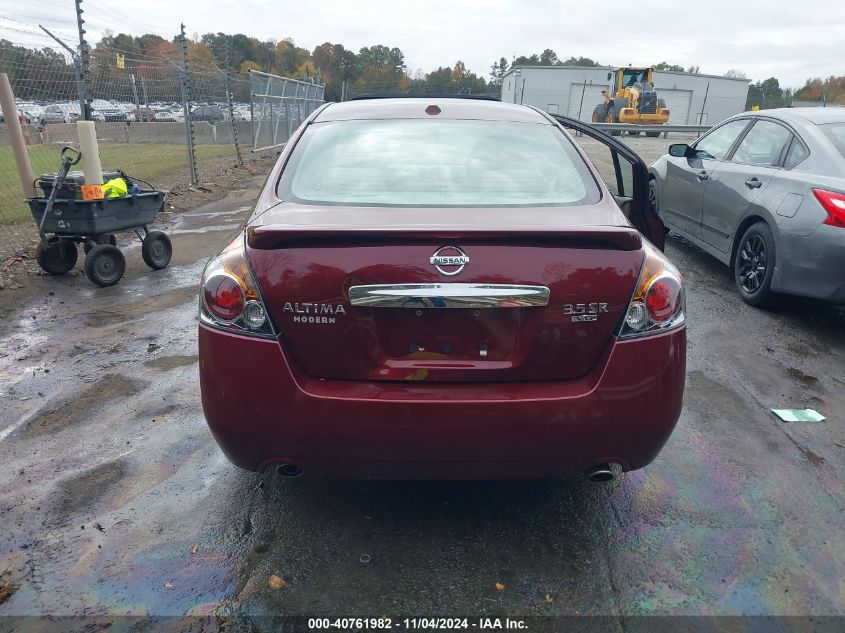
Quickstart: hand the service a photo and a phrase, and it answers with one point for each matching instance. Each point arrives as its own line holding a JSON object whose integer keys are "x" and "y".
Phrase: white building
{"x": 575, "y": 91}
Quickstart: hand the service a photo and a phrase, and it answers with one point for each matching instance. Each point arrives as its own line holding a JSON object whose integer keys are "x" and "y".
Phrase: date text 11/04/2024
{"x": 416, "y": 623}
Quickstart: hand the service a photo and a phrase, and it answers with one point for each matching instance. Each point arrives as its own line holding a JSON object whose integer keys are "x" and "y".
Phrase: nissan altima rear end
{"x": 435, "y": 289}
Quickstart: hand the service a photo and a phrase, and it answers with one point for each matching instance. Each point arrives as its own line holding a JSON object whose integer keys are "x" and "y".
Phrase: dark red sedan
{"x": 444, "y": 288}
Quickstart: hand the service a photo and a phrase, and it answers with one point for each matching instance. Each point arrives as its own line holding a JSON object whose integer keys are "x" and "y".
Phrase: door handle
{"x": 753, "y": 183}
{"x": 702, "y": 176}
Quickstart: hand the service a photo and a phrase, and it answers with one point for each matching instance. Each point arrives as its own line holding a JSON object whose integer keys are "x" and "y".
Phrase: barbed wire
{"x": 137, "y": 105}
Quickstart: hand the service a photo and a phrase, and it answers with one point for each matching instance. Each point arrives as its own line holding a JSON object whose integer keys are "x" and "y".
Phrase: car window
{"x": 620, "y": 182}
{"x": 797, "y": 152}
{"x": 431, "y": 162}
{"x": 835, "y": 132}
{"x": 763, "y": 144}
{"x": 718, "y": 142}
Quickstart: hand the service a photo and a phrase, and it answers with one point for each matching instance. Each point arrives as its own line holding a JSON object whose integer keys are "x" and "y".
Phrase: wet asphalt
{"x": 114, "y": 498}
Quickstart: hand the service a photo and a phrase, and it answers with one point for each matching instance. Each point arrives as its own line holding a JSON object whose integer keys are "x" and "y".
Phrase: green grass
{"x": 159, "y": 163}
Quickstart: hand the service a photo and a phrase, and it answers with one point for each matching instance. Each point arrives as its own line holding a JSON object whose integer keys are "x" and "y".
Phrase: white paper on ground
{"x": 798, "y": 415}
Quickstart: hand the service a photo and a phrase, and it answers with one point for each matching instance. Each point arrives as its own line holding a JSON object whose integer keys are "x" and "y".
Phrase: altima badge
{"x": 449, "y": 260}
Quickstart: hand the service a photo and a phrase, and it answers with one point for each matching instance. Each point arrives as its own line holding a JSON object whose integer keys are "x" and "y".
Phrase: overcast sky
{"x": 790, "y": 40}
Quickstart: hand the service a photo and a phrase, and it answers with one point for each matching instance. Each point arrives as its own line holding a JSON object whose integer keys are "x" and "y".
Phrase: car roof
{"x": 813, "y": 115}
{"x": 414, "y": 108}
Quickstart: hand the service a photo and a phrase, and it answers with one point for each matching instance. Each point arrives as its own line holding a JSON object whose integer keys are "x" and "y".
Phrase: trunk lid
{"x": 476, "y": 325}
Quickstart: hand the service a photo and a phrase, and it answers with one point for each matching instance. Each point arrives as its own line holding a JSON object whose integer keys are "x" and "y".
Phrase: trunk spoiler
{"x": 268, "y": 237}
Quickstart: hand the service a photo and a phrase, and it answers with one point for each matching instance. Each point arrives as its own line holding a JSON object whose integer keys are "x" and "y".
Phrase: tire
{"x": 652, "y": 134}
{"x": 107, "y": 238}
{"x": 632, "y": 133}
{"x": 58, "y": 258}
{"x": 156, "y": 250}
{"x": 754, "y": 265}
{"x": 599, "y": 113}
{"x": 652, "y": 195}
{"x": 105, "y": 265}
{"x": 612, "y": 117}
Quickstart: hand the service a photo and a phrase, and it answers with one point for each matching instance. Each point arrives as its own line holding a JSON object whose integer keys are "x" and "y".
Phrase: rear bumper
{"x": 811, "y": 266}
{"x": 263, "y": 411}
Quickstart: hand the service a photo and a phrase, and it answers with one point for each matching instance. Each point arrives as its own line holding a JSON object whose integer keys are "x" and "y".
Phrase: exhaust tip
{"x": 600, "y": 473}
{"x": 289, "y": 470}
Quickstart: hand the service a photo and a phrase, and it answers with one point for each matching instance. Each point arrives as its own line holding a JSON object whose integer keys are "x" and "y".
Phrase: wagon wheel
{"x": 56, "y": 258}
{"x": 156, "y": 250}
{"x": 105, "y": 238}
{"x": 105, "y": 265}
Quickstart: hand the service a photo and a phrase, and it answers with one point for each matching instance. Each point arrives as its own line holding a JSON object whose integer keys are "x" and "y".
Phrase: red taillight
{"x": 663, "y": 299}
{"x": 657, "y": 304}
{"x": 432, "y": 109}
{"x": 834, "y": 205}
{"x": 224, "y": 297}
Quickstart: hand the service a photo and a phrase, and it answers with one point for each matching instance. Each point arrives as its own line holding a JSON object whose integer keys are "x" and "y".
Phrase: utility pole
{"x": 186, "y": 106}
{"x": 83, "y": 67}
{"x": 77, "y": 67}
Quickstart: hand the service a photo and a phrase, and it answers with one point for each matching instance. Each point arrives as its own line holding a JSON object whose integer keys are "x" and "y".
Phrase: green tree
{"x": 579, "y": 61}
{"x": 497, "y": 72}
{"x": 765, "y": 94}
{"x": 548, "y": 57}
{"x": 534, "y": 60}
{"x": 670, "y": 67}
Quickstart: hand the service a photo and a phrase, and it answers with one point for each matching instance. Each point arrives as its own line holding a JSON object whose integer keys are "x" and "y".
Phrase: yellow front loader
{"x": 635, "y": 100}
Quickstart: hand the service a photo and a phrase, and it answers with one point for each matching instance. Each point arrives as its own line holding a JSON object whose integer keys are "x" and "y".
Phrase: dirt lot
{"x": 115, "y": 499}
{"x": 18, "y": 242}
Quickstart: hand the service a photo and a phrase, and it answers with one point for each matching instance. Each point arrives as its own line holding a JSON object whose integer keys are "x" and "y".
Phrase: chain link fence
{"x": 139, "y": 106}
{"x": 278, "y": 106}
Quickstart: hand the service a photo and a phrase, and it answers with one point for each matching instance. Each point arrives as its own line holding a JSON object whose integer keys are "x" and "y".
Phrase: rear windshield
{"x": 836, "y": 133}
{"x": 430, "y": 162}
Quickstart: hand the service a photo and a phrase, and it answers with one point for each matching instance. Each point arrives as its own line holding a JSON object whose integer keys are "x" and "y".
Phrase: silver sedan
{"x": 763, "y": 192}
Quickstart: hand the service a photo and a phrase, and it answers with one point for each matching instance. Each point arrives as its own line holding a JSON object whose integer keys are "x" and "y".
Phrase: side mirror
{"x": 679, "y": 150}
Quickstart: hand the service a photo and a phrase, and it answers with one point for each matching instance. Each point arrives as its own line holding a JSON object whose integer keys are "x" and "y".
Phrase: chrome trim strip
{"x": 446, "y": 295}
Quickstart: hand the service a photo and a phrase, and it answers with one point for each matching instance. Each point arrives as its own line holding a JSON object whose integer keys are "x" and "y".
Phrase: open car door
{"x": 624, "y": 173}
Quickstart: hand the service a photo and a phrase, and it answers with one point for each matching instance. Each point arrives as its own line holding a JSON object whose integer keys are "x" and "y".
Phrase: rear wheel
{"x": 755, "y": 265}
{"x": 652, "y": 134}
{"x": 156, "y": 250}
{"x": 106, "y": 238}
{"x": 105, "y": 265}
{"x": 57, "y": 258}
{"x": 599, "y": 113}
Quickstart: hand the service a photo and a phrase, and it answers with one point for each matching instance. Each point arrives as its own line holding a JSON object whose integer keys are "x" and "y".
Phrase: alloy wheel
{"x": 752, "y": 263}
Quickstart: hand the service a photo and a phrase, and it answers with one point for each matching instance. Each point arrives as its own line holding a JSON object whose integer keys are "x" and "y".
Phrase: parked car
{"x": 242, "y": 114}
{"x": 764, "y": 192}
{"x": 108, "y": 110}
{"x": 59, "y": 113}
{"x": 212, "y": 114}
{"x": 143, "y": 114}
{"x": 32, "y": 111}
{"x": 168, "y": 116}
{"x": 443, "y": 289}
